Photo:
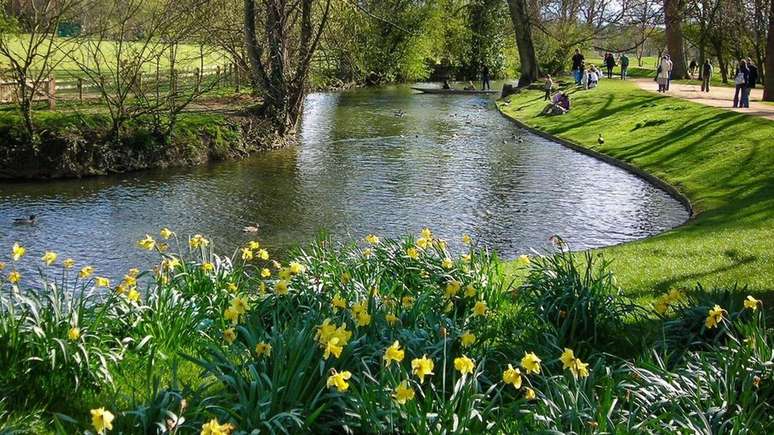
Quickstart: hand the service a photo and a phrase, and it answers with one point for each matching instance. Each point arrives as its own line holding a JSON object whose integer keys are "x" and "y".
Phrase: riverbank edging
{"x": 647, "y": 176}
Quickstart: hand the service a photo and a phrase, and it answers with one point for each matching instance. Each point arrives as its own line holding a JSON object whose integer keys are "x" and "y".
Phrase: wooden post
{"x": 79, "y": 86}
{"x": 51, "y": 91}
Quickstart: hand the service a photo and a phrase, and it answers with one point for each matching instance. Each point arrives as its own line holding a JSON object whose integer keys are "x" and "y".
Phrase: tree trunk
{"x": 673, "y": 17}
{"x": 530, "y": 71}
{"x": 768, "y": 87}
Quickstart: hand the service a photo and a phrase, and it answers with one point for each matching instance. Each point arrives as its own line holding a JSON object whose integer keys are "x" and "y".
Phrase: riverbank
{"x": 720, "y": 160}
{"x": 76, "y": 143}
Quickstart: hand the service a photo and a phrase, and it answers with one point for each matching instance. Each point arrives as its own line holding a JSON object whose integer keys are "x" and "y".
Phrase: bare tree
{"x": 28, "y": 45}
{"x": 280, "y": 62}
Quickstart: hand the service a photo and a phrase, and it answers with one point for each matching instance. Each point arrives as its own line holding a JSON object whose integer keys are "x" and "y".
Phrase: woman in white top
{"x": 664, "y": 67}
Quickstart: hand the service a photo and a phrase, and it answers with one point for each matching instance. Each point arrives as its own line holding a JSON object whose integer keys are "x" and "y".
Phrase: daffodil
{"x": 426, "y": 233}
{"x": 423, "y": 242}
{"x": 147, "y": 243}
{"x": 576, "y": 366}
{"x": 166, "y": 233}
{"x": 346, "y": 278}
{"x": 523, "y": 260}
{"x": 247, "y": 254}
{"x": 129, "y": 281}
{"x": 207, "y": 267}
{"x": 101, "y": 281}
{"x": 74, "y": 333}
{"x": 412, "y": 253}
{"x": 464, "y": 365}
{"x": 229, "y": 334}
{"x": 296, "y": 268}
{"x": 86, "y": 272}
{"x": 213, "y": 427}
{"x": 752, "y": 303}
{"x": 281, "y": 288}
{"x": 467, "y": 339}
{"x": 339, "y": 380}
{"x": 529, "y": 394}
{"x": 363, "y": 318}
{"x": 338, "y": 303}
{"x": 263, "y": 349}
{"x": 403, "y": 393}
{"x": 447, "y": 263}
{"x": 254, "y": 245}
{"x": 17, "y": 251}
{"x": 333, "y": 347}
{"x": 49, "y": 258}
{"x": 512, "y": 376}
{"x": 480, "y": 308}
{"x": 367, "y": 253}
{"x": 470, "y": 291}
{"x": 372, "y": 239}
{"x": 133, "y": 295}
{"x": 14, "y": 277}
{"x": 393, "y": 353}
{"x": 452, "y": 288}
{"x": 232, "y": 287}
{"x": 265, "y": 272}
{"x": 531, "y": 363}
{"x": 102, "y": 420}
{"x": 391, "y": 318}
{"x": 422, "y": 367}
{"x": 407, "y": 301}
{"x": 263, "y": 254}
{"x": 714, "y": 317}
{"x": 2, "y": 266}
{"x": 466, "y": 240}
{"x": 198, "y": 241}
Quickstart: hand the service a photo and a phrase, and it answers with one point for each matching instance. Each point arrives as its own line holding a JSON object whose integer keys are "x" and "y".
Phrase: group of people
{"x": 745, "y": 77}
{"x": 588, "y": 75}
{"x": 744, "y": 80}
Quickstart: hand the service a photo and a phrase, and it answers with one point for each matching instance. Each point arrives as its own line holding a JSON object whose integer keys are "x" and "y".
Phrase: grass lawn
{"x": 721, "y": 160}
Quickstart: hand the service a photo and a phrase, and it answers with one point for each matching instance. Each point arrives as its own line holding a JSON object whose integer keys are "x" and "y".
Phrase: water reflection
{"x": 384, "y": 161}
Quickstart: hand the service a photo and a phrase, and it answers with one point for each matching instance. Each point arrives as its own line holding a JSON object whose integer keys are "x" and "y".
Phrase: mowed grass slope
{"x": 723, "y": 161}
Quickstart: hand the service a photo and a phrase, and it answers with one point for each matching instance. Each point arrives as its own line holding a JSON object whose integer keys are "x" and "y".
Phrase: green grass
{"x": 721, "y": 160}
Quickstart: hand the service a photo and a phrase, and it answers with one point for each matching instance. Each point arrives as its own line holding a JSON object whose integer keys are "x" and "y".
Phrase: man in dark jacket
{"x": 609, "y": 63}
{"x": 752, "y": 72}
{"x": 577, "y": 66}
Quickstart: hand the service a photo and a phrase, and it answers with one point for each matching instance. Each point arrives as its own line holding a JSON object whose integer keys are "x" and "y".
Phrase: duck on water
{"x": 26, "y": 221}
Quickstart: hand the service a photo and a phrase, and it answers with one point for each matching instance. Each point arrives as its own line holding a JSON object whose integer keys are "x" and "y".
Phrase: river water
{"x": 384, "y": 161}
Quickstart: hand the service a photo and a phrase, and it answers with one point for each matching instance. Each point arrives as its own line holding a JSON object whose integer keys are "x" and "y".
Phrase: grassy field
{"x": 67, "y": 50}
{"x": 719, "y": 159}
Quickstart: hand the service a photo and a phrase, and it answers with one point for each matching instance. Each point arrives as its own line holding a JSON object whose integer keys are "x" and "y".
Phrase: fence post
{"x": 79, "y": 86}
{"x": 51, "y": 91}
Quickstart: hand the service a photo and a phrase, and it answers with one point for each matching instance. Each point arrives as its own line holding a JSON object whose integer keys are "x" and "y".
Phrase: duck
{"x": 26, "y": 221}
{"x": 600, "y": 139}
{"x": 250, "y": 229}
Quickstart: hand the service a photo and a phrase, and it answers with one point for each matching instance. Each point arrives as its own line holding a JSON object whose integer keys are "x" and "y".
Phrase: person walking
{"x": 662, "y": 76}
{"x": 609, "y": 63}
{"x": 577, "y": 66}
{"x": 692, "y": 68}
{"x": 485, "y": 78}
{"x": 624, "y": 61}
{"x": 706, "y": 76}
{"x": 548, "y": 86}
{"x": 741, "y": 79}
{"x": 669, "y": 75}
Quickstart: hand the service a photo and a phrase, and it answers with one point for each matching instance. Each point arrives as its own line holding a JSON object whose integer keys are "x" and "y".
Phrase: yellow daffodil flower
{"x": 422, "y": 367}
{"x": 86, "y": 272}
{"x": 466, "y": 240}
{"x": 101, "y": 281}
{"x": 529, "y": 394}
{"x": 133, "y": 295}
{"x": 333, "y": 348}
{"x": 403, "y": 393}
{"x": 17, "y": 251}
{"x": 346, "y": 278}
{"x": 14, "y": 277}
{"x": 464, "y": 365}
{"x": 407, "y": 301}
{"x": 263, "y": 349}
{"x": 2, "y": 266}
{"x": 247, "y": 254}
{"x": 263, "y": 254}
{"x": 231, "y": 314}
{"x": 147, "y": 243}
{"x": 74, "y": 333}
{"x": 391, "y": 318}
{"x": 523, "y": 260}
{"x": 470, "y": 291}
{"x": 339, "y": 380}
{"x": 229, "y": 334}
{"x": 49, "y": 258}
{"x": 240, "y": 304}
{"x": 447, "y": 263}
{"x": 751, "y": 303}
{"x": 213, "y": 427}
{"x": 426, "y": 233}
{"x": 714, "y": 317}
{"x": 512, "y": 376}
{"x": 281, "y": 288}
{"x": 265, "y": 272}
{"x": 531, "y": 363}
{"x": 338, "y": 303}
{"x": 254, "y": 245}
{"x": 363, "y": 318}
{"x": 102, "y": 420}
{"x": 372, "y": 239}
{"x": 198, "y": 241}
{"x": 467, "y": 339}
{"x": 232, "y": 287}
{"x": 480, "y": 308}
{"x": 412, "y": 253}
{"x": 296, "y": 268}
{"x": 207, "y": 267}
{"x": 452, "y": 288}
{"x": 166, "y": 233}
{"x": 423, "y": 243}
{"x": 367, "y": 253}
{"x": 576, "y": 366}
{"x": 393, "y": 353}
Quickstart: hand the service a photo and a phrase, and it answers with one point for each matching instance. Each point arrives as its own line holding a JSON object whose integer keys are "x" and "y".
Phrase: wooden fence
{"x": 46, "y": 91}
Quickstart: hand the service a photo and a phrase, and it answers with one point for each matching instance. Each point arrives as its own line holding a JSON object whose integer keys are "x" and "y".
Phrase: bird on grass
{"x": 25, "y": 221}
{"x": 600, "y": 139}
{"x": 250, "y": 229}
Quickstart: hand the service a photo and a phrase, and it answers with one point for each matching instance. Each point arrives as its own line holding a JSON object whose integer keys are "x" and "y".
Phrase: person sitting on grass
{"x": 558, "y": 106}
{"x": 470, "y": 86}
{"x": 548, "y": 85}
{"x": 593, "y": 78}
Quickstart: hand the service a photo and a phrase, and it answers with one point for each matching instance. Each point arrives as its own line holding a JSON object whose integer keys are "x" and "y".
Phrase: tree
{"x": 530, "y": 71}
{"x": 768, "y": 89}
{"x": 673, "y": 17}
{"x": 280, "y": 62}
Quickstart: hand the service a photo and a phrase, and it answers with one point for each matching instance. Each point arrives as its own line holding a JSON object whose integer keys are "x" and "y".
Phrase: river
{"x": 386, "y": 161}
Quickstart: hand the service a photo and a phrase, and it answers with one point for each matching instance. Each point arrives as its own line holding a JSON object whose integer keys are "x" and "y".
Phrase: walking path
{"x": 722, "y": 97}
